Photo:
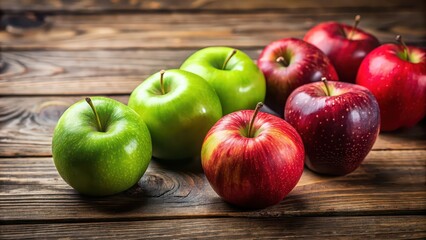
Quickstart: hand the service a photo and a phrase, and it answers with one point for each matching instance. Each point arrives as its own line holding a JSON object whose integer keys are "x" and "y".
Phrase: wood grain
{"x": 387, "y": 183}
{"x": 70, "y": 49}
{"x": 220, "y": 5}
{"x": 27, "y": 123}
{"x": 377, "y": 227}
{"x": 189, "y": 30}
{"x": 85, "y": 72}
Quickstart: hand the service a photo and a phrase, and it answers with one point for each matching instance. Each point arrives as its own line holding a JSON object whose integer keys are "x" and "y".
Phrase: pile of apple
{"x": 251, "y": 159}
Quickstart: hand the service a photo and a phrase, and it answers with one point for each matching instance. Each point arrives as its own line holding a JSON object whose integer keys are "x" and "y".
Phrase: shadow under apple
{"x": 417, "y": 132}
{"x": 123, "y": 202}
{"x": 293, "y": 204}
{"x": 192, "y": 165}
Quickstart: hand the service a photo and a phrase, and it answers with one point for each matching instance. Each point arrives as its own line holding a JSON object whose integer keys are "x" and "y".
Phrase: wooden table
{"x": 57, "y": 52}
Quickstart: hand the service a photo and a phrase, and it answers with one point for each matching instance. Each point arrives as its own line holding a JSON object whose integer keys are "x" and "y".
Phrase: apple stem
{"x": 324, "y": 80}
{"x": 356, "y": 22}
{"x": 398, "y": 38}
{"x": 256, "y": 111}
{"x": 282, "y": 60}
{"x": 234, "y": 51}
{"x": 89, "y": 101}
{"x": 162, "y": 81}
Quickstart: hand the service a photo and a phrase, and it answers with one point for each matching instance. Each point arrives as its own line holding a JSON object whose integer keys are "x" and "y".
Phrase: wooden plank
{"x": 27, "y": 123}
{"x": 222, "y": 5}
{"x": 189, "y": 30}
{"x": 377, "y": 227}
{"x": 85, "y": 72}
{"x": 387, "y": 183}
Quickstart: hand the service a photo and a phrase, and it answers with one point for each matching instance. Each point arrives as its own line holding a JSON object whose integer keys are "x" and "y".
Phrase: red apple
{"x": 252, "y": 159}
{"x": 396, "y": 75}
{"x": 289, "y": 63}
{"x": 346, "y": 46}
{"x": 338, "y": 122}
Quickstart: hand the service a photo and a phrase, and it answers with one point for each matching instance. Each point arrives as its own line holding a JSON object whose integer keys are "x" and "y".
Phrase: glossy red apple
{"x": 252, "y": 159}
{"x": 338, "y": 122}
{"x": 346, "y": 46}
{"x": 289, "y": 63}
{"x": 396, "y": 75}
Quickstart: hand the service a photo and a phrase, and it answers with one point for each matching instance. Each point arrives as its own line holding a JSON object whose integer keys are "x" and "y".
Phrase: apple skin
{"x": 338, "y": 131}
{"x": 180, "y": 119}
{"x": 252, "y": 172}
{"x": 101, "y": 163}
{"x": 398, "y": 85}
{"x": 345, "y": 54}
{"x": 306, "y": 64}
{"x": 240, "y": 86}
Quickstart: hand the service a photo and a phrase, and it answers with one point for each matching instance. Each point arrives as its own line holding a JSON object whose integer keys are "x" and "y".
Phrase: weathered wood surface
{"x": 29, "y": 122}
{"x": 107, "y": 47}
{"x": 194, "y": 5}
{"x": 377, "y": 227}
{"x": 85, "y": 72}
{"x": 189, "y": 30}
{"x": 387, "y": 183}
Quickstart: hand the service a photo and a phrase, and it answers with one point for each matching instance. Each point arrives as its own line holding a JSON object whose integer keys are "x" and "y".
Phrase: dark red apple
{"x": 338, "y": 122}
{"x": 396, "y": 75}
{"x": 252, "y": 159}
{"x": 346, "y": 46}
{"x": 289, "y": 63}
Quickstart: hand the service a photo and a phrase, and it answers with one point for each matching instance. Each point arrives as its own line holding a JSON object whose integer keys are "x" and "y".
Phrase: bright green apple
{"x": 235, "y": 77}
{"x": 179, "y": 108}
{"x": 101, "y": 147}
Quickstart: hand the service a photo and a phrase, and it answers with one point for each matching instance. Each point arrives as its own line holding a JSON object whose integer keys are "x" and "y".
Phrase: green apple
{"x": 235, "y": 77}
{"x": 101, "y": 147}
{"x": 179, "y": 108}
